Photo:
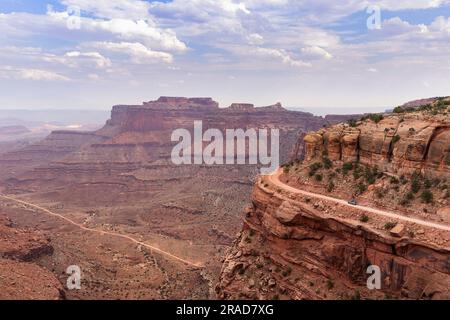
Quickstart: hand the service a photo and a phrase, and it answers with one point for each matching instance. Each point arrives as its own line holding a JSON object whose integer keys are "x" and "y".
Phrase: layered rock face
{"x": 400, "y": 143}
{"x": 21, "y": 277}
{"x": 291, "y": 248}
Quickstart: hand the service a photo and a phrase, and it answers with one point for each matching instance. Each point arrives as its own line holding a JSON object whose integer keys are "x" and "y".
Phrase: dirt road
{"x": 275, "y": 179}
{"x": 102, "y": 232}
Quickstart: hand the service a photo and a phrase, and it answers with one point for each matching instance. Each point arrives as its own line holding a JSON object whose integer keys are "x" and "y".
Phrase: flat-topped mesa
{"x": 248, "y": 107}
{"x": 399, "y": 143}
{"x": 275, "y": 107}
{"x": 182, "y": 103}
{"x": 241, "y": 107}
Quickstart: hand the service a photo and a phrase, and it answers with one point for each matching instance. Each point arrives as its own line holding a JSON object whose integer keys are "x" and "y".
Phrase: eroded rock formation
{"x": 399, "y": 143}
{"x": 291, "y": 248}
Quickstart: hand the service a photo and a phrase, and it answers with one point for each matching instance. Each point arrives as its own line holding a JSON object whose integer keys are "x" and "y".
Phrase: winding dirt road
{"x": 102, "y": 232}
{"x": 275, "y": 179}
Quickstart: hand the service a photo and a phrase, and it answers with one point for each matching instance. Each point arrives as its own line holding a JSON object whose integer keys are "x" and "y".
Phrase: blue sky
{"x": 315, "y": 54}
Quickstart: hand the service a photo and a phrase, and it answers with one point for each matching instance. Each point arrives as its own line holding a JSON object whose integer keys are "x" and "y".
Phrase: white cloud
{"x": 99, "y": 60}
{"x": 144, "y": 30}
{"x": 9, "y": 72}
{"x": 316, "y": 51}
{"x": 129, "y": 9}
{"x": 283, "y": 56}
{"x": 137, "y": 51}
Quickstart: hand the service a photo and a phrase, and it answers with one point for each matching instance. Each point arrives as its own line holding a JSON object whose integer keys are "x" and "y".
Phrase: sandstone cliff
{"x": 292, "y": 247}
{"x": 400, "y": 143}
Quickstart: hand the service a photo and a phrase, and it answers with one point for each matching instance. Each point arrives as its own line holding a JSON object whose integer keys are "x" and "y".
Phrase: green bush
{"x": 352, "y": 123}
{"x": 415, "y": 183}
{"x": 314, "y": 168}
{"x": 374, "y": 117}
{"x": 396, "y": 139}
{"x": 330, "y": 186}
{"x": 346, "y": 167}
{"x": 394, "y": 180}
{"x": 390, "y": 225}
{"x": 327, "y": 163}
{"x": 426, "y": 196}
{"x": 399, "y": 110}
{"x": 330, "y": 284}
{"x": 364, "y": 218}
{"x": 361, "y": 187}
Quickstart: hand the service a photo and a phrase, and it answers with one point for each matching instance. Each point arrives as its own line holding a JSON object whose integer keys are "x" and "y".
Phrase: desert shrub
{"x": 403, "y": 180}
{"x": 394, "y": 180}
{"x": 426, "y": 196}
{"x": 352, "y": 123}
{"x": 396, "y": 139}
{"x": 364, "y": 218}
{"x": 374, "y": 117}
{"x": 318, "y": 177}
{"x": 361, "y": 187}
{"x": 415, "y": 183}
{"x": 330, "y": 284}
{"x": 399, "y": 110}
{"x": 314, "y": 168}
{"x": 327, "y": 163}
{"x": 370, "y": 174}
{"x": 346, "y": 167}
{"x": 390, "y": 225}
{"x": 330, "y": 186}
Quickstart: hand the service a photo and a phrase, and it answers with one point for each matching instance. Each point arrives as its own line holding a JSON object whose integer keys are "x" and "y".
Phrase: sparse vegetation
{"x": 427, "y": 197}
{"x": 396, "y": 139}
{"x": 394, "y": 180}
{"x": 327, "y": 163}
{"x": 415, "y": 183}
{"x": 361, "y": 188}
{"x": 352, "y": 123}
{"x": 364, "y": 218}
{"x": 346, "y": 167}
{"x": 318, "y": 177}
{"x": 330, "y": 284}
{"x": 390, "y": 225}
{"x": 330, "y": 186}
{"x": 373, "y": 117}
{"x": 314, "y": 168}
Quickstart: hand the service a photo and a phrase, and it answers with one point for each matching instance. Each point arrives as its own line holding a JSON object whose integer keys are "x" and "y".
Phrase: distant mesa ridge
{"x": 165, "y": 102}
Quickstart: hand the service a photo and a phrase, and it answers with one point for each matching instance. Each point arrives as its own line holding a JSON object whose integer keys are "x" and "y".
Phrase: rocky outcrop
{"x": 20, "y": 276}
{"x": 292, "y": 248}
{"x": 399, "y": 143}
